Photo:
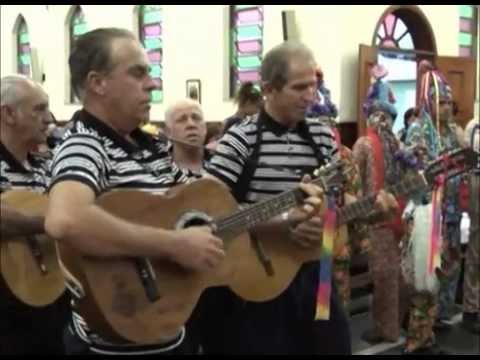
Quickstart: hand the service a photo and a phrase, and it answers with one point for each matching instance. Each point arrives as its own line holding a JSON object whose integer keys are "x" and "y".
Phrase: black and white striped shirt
{"x": 94, "y": 154}
{"x": 284, "y": 155}
{"x": 32, "y": 175}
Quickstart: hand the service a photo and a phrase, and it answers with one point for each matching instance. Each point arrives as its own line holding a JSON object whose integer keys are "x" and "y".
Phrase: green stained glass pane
{"x": 156, "y": 71}
{"x": 25, "y": 59}
{"x": 248, "y": 62}
{"x": 24, "y": 38}
{"x": 152, "y": 17}
{"x": 152, "y": 7}
{"x": 151, "y": 44}
{"x": 466, "y": 11}
{"x": 241, "y": 7}
{"x": 156, "y": 96}
{"x": 465, "y": 39}
{"x": 249, "y": 32}
{"x": 80, "y": 29}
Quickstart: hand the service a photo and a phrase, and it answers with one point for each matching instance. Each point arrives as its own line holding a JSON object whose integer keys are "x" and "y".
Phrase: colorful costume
{"x": 421, "y": 261}
{"x": 382, "y": 164}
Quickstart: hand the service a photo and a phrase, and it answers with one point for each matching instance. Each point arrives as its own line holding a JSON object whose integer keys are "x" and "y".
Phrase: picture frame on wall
{"x": 194, "y": 89}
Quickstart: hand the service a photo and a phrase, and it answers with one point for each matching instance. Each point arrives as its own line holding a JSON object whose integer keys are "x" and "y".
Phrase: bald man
{"x": 25, "y": 116}
{"x": 184, "y": 121}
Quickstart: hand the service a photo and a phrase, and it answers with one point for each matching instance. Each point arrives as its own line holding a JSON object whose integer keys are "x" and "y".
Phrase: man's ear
{"x": 8, "y": 114}
{"x": 96, "y": 83}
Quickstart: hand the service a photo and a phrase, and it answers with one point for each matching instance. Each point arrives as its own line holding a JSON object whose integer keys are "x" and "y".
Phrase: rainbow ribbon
{"x": 325, "y": 276}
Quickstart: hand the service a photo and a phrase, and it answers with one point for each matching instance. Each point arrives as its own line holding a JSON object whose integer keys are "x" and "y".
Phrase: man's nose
{"x": 48, "y": 118}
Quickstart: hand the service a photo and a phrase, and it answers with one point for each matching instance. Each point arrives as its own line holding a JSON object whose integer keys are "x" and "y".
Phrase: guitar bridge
{"x": 147, "y": 276}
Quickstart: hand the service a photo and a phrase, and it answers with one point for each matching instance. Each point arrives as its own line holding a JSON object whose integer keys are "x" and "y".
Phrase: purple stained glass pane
{"x": 389, "y": 43}
{"x": 152, "y": 30}
{"x": 249, "y": 46}
{"x": 465, "y": 51}
{"x": 252, "y": 16}
{"x": 25, "y": 48}
{"x": 253, "y": 76}
{"x": 158, "y": 82}
{"x": 155, "y": 57}
{"x": 389, "y": 21}
{"x": 465, "y": 25}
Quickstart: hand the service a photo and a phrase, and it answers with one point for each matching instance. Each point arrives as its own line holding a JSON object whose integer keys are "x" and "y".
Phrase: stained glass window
{"x": 467, "y": 37}
{"x": 78, "y": 26}
{"x": 24, "y": 57}
{"x": 393, "y": 33}
{"x": 150, "y": 31}
{"x": 246, "y": 44}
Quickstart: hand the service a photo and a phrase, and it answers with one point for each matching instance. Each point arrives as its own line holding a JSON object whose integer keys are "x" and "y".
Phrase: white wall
{"x": 196, "y": 46}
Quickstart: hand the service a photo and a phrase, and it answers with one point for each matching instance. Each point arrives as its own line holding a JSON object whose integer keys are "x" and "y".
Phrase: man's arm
{"x": 74, "y": 218}
{"x": 14, "y": 223}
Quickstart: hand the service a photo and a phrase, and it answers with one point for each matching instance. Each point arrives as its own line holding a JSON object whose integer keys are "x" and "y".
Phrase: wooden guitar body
{"x": 20, "y": 272}
{"x": 116, "y": 304}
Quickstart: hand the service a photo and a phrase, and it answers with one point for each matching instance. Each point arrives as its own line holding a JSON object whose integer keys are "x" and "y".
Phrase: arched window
{"x": 246, "y": 44}
{"x": 150, "y": 33}
{"x": 468, "y": 37}
{"x": 24, "y": 56}
{"x": 394, "y": 34}
{"x": 77, "y": 27}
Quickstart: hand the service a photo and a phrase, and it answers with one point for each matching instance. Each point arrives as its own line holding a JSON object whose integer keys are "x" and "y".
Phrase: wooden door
{"x": 460, "y": 74}
{"x": 366, "y": 59}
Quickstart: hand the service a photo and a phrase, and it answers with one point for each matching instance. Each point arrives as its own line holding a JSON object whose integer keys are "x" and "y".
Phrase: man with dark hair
{"x": 25, "y": 117}
{"x": 259, "y": 158}
{"x": 110, "y": 75}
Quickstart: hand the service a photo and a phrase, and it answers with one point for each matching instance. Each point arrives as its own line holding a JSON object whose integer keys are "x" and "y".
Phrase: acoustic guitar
{"x": 145, "y": 300}
{"x": 29, "y": 267}
{"x": 255, "y": 284}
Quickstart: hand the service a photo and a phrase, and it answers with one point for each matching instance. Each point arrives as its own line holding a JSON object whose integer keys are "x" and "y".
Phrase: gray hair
{"x": 173, "y": 109}
{"x": 92, "y": 52}
{"x": 10, "y": 84}
{"x": 276, "y": 63}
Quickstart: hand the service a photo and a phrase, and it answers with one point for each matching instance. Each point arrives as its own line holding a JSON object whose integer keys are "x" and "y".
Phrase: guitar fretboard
{"x": 245, "y": 219}
{"x": 364, "y": 206}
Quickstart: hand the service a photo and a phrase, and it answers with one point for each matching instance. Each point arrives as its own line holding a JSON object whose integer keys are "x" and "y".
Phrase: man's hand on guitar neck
{"x": 305, "y": 225}
{"x": 15, "y": 224}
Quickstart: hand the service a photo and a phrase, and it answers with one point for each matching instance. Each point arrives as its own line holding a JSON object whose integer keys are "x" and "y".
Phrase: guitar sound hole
{"x": 195, "y": 222}
{"x": 192, "y": 218}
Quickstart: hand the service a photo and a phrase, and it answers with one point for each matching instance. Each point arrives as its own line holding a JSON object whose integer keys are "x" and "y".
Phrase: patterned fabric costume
{"x": 424, "y": 140}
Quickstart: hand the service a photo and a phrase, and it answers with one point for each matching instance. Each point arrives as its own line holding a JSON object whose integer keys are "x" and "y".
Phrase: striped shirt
{"x": 284, "y": 155}
{"x": 94, "y": 154}
{"x": 33, "y": 174}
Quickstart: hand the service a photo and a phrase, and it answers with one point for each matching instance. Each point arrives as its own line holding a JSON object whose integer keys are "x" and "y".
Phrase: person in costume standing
{"x": 422, "y": 265}
{"x": 377, "y": 155}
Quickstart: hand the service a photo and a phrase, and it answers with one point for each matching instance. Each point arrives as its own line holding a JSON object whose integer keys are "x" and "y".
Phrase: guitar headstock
{"x": 452, "y": 163}
{"x": 330, "y": 175}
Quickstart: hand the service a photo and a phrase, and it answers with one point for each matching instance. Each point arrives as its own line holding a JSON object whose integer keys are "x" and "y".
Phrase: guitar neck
{"x": 365, "y": 205}
{"x": 233, "y": 225}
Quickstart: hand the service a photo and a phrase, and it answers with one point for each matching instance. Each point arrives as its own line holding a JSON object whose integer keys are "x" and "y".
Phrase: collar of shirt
{"x": 278, "y": 128}
{"x": 143, "y": 140}
{"x": 13, "y": 163}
